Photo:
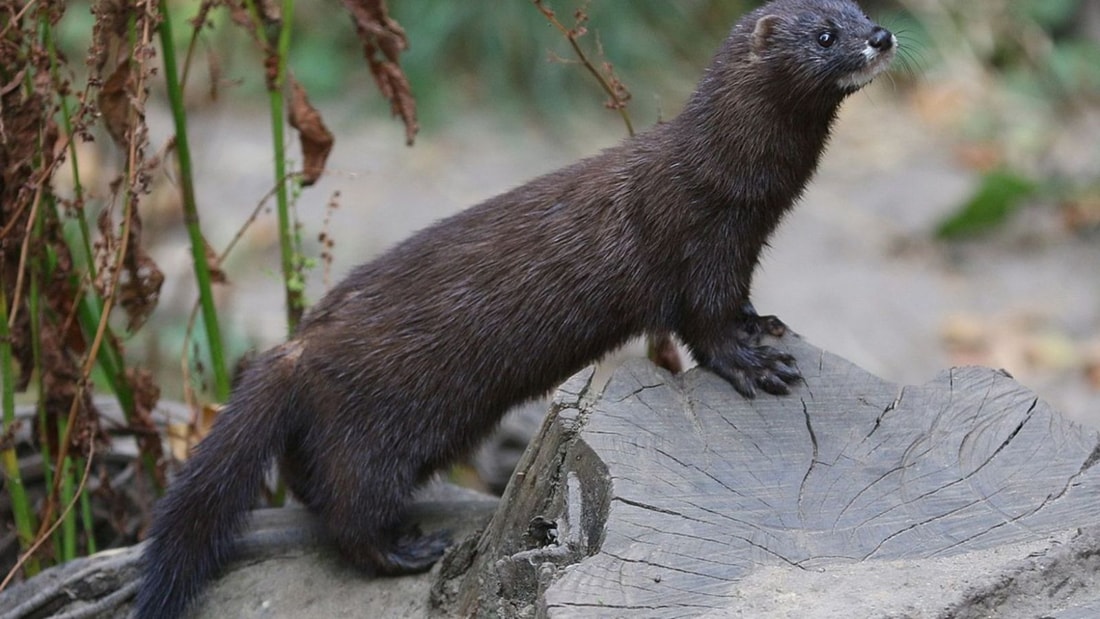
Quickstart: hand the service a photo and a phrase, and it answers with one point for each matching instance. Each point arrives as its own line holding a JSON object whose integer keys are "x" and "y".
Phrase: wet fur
{"x": 410, "y": 361}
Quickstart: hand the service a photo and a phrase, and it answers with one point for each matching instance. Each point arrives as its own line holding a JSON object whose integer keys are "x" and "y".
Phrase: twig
{"x": 659, "y": 346}
{"x": 43, "y": 536}
{"x": 185, "y": 357}
{"x": 619, "y": 95}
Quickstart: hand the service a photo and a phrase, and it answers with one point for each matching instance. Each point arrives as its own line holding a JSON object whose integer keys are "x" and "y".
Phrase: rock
{"x": 286, "y": 569}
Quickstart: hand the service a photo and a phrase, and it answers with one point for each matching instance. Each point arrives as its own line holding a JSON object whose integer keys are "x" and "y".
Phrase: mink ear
{"x": 765, "y": 27}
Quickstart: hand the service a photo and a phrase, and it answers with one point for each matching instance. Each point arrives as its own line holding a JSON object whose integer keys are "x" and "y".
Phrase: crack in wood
{"x": 637, "y": 391}
{"x": 922, "y": 523}
{"x": 1012, "y": 520}
{"x": 671, "y": 569}
{"x": 964, "y": 479}
{"x": 661, "y": 531}
{"x": 889, "y": 408}
{"x": 865, "y": 489}
{"x": 565, "y": 606}
{"x": 1091, "y": 461}
{"x": 696, "y": 467}
{"x": 745, "y": 523}
{"x": 1015, "y": 432}
{"x": 652, "y": 508}
{"x": 813, "y": 461}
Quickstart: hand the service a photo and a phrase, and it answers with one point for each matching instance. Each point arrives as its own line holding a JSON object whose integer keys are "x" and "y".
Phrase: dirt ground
{"x": 854, "y": 269}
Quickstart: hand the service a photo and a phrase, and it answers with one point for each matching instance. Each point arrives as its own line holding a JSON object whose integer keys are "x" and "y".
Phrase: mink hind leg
{"x": 387, "y": 548}
{"x": 363, "y": 505}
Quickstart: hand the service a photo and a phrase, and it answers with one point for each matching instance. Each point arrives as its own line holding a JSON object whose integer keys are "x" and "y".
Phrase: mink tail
{"x": 196, "y": 524}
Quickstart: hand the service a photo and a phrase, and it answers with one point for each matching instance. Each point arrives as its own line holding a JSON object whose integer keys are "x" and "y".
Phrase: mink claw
{"x": 773, "y": 384}
{"x": 749, "y": 368}
{"x": 413, "y": 552}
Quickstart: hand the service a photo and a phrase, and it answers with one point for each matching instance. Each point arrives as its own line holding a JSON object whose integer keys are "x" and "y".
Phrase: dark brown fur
{"x": 412, "y": 359}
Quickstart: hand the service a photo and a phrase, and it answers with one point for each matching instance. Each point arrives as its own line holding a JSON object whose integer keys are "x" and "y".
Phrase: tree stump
{"x": 673, "y": 496}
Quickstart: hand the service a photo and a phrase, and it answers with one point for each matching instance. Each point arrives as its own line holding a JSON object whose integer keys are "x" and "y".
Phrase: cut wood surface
{"x": 672, "y": 496}
{"x": 852, "y": 497}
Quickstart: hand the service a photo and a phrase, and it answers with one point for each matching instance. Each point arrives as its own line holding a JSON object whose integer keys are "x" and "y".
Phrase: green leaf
{"x": 1000, "y": 193}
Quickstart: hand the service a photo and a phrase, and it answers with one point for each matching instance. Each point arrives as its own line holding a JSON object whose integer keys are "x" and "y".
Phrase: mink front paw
{"x": 749, "y": 366}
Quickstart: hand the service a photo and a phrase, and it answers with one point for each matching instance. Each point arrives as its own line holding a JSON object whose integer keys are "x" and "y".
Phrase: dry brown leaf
{"x": 146, "y": 394}
{"x": 145, "y": 389}
{"x": 206, "y": 419}
{"x": 182, "y": 437}
{"x": 1082, "y": 213}
{"x": 139, "y": 288}
{"x": 316, "y": 139}
{"x": 383, "y": 41}
{"x": 115, "y": 103}
{"x": 213, "y": 264}
{"x": 112, "y": 20}
{"x": 61, "y": 381}
{"x": 179, "y": 441}
{"x": 238, "y": 14}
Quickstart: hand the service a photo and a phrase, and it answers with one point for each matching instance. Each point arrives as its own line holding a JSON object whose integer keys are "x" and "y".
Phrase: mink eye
{"x": 826, "y": 39}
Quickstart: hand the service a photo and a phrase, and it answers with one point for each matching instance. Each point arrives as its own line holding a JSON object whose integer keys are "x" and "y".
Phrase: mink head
{"x": 816, "y": 48}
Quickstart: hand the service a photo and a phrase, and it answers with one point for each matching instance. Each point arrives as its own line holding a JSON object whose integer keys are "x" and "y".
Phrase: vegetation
{"x": 1022, "y": 79}
{"x": 77, "y": 283}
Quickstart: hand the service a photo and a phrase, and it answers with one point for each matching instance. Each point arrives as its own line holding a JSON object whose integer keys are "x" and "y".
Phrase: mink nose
{"x": 881, "y": 39}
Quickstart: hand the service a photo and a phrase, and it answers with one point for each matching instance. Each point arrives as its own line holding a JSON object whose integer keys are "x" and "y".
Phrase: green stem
{"x": 44, "y": 446}
{"x": 68, "y": 526}
{"x": 110, "y": 357}
{"x": 89, "y": 313}
{"x": 90, "y": 306}
{"x": 275, "y": 90}
{"x": 190, "y": 208}
{"x": 88, "y": 521}
{"x": 37, "y": 269}
{"x": 287, "y": 237}
{"x": 13, "y": 482}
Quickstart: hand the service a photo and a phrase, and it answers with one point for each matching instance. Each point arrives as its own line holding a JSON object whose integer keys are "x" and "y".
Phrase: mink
{"x": 405, "y": 365}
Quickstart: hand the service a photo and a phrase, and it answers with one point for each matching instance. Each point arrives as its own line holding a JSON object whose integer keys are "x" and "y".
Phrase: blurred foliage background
{"x": 1012, "y": 85}
{"x": 1007, "y": 76}
{"x": 467, "y": 54}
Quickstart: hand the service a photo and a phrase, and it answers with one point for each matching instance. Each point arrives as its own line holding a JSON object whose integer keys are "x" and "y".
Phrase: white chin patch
{"x": 876, "y": 63}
